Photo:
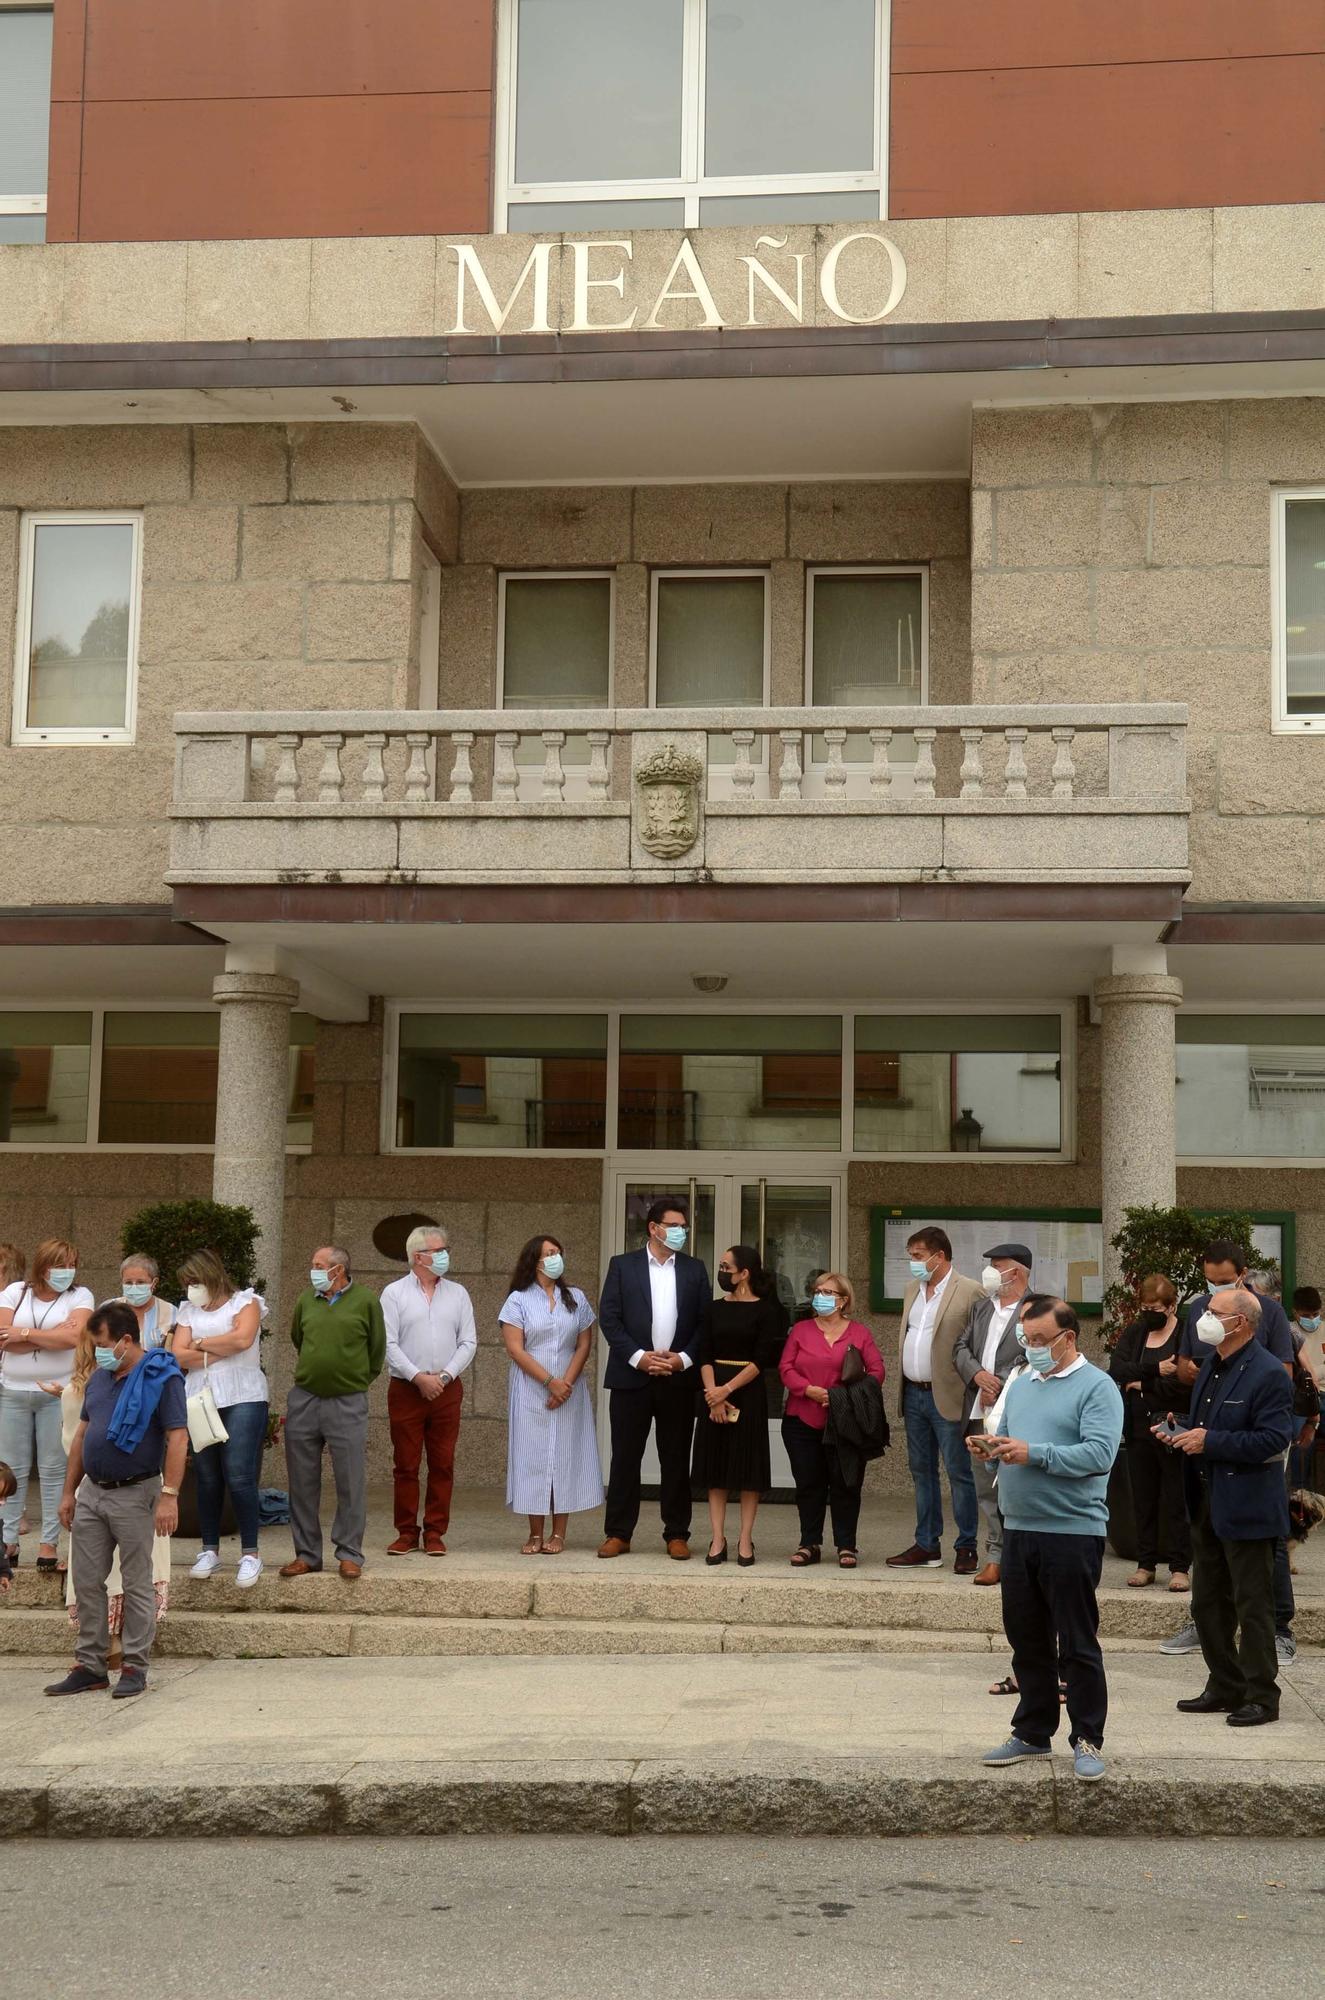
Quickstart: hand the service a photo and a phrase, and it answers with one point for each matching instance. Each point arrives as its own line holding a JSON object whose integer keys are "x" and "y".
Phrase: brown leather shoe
{"x": 350, "y": 1570}
{"x": 678, "y": 1550}
{"x": 916, "y": 1558}
{"x": 965, "y": 1562}
{"x": 614, "y": 1546}
{"x": 300, "y": 1568}
{"x": 404, "y": 1545}
{"x": 989, "y": 1574}
{"x": 433, "y": 1545}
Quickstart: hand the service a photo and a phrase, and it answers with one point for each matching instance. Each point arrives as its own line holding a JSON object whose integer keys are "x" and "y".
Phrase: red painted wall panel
{"x": 1110, "y": 136}
{"x": 1045, "y": 34}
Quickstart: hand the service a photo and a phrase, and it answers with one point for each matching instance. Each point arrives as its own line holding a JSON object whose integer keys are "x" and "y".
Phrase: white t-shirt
{"x": 23, "y": 1373}
{"x": 232, "y": 1378}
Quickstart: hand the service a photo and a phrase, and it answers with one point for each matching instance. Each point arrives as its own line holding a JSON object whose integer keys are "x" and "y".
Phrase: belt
{"x": 109, "y": 1485}
{"x": 911, "y": 1383}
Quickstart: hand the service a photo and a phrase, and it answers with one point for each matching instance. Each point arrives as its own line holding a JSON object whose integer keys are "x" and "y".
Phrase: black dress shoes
{"x": 1251, "y": 1715}
{"x": 1205, "y": 1704}
{"x": 721, "y": 1557}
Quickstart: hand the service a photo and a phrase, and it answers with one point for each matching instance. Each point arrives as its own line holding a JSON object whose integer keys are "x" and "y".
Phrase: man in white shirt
{"x": 985, "y": 1356}
{"x": 934, "y": 1312}
{"x": 430, "y": 1341}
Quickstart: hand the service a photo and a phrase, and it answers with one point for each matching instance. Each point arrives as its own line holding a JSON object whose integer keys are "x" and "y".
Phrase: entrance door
{"x": 794, "y": 1224}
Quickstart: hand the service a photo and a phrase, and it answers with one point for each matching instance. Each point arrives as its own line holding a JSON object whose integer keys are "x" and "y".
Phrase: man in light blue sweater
{"x": 1055, "y": 1439}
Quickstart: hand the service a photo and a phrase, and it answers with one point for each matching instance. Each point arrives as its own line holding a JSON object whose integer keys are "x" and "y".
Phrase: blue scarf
{"x": 139, "y": 1397}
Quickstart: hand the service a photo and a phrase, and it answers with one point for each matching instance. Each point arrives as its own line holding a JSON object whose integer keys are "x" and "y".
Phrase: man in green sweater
{"x": 1054, "y": 1440}
{"x": 340, "y": 1337}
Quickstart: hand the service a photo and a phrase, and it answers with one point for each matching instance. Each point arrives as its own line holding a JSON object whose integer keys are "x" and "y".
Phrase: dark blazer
{"x": 967, "y": 1355}
{"x": 1272, "y": 1331}
{"x": 625, "y": 1314}
{"x": 1248, "y": 1429}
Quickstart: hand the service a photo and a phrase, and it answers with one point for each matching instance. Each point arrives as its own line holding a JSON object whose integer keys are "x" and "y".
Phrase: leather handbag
{"x": 853, "y": 1366}
{"x": 205, "y": 1426}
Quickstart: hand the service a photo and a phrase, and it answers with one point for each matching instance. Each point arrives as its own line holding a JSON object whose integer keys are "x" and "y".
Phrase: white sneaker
{"x": 207, "y": 1562}
{"x": 250, "y": 1569}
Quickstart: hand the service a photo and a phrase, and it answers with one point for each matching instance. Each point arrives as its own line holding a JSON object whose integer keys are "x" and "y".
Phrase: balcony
{"x": 975, "y": 794}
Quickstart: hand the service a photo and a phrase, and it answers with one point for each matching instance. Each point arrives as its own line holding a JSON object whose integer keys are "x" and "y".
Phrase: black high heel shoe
{"x": 746, "y": 1562}
{"x": 721, "y": 1557}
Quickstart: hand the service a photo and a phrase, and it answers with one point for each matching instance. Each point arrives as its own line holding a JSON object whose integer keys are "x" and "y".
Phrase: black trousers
{"x": 820, "y": 1486}
{"x": 667, "y": 1402}
{"x": 1052, "y": 1621}
{"x": 1155, "y": 1471}
{"x": 1233, "y": 1605}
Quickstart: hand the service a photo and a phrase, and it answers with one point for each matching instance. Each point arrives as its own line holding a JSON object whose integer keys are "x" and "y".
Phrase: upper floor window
{"x": 76, "y": 669}
{"x": 690, "y": 113}
{"x": 1299, "y": 610}
{"x": 25, "y": 116}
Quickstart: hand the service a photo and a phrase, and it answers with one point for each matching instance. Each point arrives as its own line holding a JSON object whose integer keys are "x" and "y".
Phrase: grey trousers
{"x": 986, "y": 1493}
{"x": 341, "y": 1424}
{"x": 106, "y": 1519}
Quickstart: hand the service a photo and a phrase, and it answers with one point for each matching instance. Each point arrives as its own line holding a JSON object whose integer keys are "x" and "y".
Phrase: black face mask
{"x": 1152, "y": 1321}
{"x": 726, "y": 1281}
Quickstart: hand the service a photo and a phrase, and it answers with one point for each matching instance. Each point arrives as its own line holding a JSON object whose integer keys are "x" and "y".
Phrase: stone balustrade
{"x": 588, "y": 794}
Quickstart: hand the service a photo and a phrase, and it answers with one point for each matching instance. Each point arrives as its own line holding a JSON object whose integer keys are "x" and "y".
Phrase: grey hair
{"x": 1245, "y": 1303}
{"x": 418, "y": 1238}
{"x": 342, "y": 1257}
{"x": 142, "y": 1262}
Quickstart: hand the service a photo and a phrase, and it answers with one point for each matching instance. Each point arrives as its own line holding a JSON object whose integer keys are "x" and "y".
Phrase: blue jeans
{"x": 236, "y": 1465}
{"x": 30, "y": 1426}
{"x": 928, "y": 1434}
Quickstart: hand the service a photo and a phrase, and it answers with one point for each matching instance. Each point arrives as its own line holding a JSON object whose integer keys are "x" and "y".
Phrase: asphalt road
{"x": 593, "y": 1919}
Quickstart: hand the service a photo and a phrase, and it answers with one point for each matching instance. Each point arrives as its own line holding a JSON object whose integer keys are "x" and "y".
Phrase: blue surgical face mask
{"x": 320, "y": 1280}
{"x": 136, "y": 1295}
{"x": 1311, "y": 1325}
{"x": 1040, "y": 1360}
{"x": 554, "y": 1265}
{"x": 441, "y": 1263}
{"x": 106, "y": 1357}
{"x": 919, "y": 1269}
{"x": 675, "y": 1236}
{"x": 825, "y": 1303}
{"x": 60, "y": 1277}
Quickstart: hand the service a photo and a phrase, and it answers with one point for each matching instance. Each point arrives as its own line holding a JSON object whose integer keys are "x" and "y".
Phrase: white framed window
{"x": 690, "y": 113}
{"x": 76, "y": 665}
{"x": 866, "y": 646}
{"x": 710, "y": 646}
{"x": 25, "y": 117}
{"x": 554, "y": 650}
{"x": 1298, "y": 599}
{"x": 1250, "y": 1085}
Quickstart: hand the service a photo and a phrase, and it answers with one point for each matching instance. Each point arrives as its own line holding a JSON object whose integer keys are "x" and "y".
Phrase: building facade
{"x": 611, "y": 599}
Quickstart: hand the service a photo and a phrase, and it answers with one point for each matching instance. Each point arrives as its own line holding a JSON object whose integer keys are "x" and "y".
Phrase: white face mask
{"x": 1210, "y": 1330}
{"x": 198, "y": 1295}
{"x": 992, "y": 1281}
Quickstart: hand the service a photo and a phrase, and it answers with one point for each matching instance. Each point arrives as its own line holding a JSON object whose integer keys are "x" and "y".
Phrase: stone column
{"x": 1138, "y": 1139}
{"x": 252, "y": 1094}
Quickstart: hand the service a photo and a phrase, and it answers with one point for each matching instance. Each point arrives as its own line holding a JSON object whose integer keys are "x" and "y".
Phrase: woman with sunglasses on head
{"x": 744, "y": 1335}
{"x": 811, "y": 1365}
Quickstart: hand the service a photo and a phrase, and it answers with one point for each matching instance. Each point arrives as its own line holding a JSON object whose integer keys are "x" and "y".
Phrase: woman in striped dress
{"x": 552, "y": 1462}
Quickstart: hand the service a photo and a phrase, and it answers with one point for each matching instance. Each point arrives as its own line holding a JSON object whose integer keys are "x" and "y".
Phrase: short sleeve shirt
{"x": 103, "y": 1460}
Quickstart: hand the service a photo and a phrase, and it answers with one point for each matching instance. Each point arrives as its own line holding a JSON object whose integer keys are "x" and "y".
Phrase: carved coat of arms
{"x": 668, "y": 780}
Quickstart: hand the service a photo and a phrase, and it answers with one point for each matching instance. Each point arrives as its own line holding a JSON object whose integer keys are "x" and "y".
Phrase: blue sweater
{"x": 1073, "y": 1425}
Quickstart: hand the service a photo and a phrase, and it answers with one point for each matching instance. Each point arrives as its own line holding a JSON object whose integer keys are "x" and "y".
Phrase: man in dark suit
{"x": 652, "y": 1312}
{"x": 1242, "y": 1424}
{"x": 984, "y": 1357}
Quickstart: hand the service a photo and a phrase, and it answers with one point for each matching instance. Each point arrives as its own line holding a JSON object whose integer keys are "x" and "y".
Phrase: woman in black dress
{"x": 744, "y": 1336}
{"x": 1144, "y": 1364}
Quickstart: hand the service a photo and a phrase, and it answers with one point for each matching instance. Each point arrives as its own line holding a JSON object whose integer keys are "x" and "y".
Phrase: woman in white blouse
{"x": 216, "y": 1344}
{"x": 139, "y": 1278}
{"x": 39, "y": 1327}
{"x": 552, "y": 1456}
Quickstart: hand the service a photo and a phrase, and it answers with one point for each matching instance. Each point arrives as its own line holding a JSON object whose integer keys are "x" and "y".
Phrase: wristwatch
{"x": 173, "y": 1491}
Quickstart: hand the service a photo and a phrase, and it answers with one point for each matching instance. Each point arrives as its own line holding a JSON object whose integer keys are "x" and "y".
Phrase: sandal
{"x": 554, "y": 1545}
{"x": 807, "y": 1554}
{"x": 1142, "y": 1580}
{"x": 533, "y": 1547}
{"x": 49, "y": 1564}
{"x": 1006, "y": 1686}
{"x": 1180, "y": 1581}
{"x": 847, "y": 1559}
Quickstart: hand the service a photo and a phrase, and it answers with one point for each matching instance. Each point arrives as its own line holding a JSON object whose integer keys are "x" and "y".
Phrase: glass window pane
{"x": 299, "y": 1106}
{"x": 1256, "y": 1093}
{"x": 598, "y": 90}
{"x": 82, "y": 584}
{"x": 543, "y": 218}
{"x": 710, "y": 642}
{"x": 22, "y": 228}
{"x": 25, "y": 102}
{"x": 717, "y": 210}
{"x": 958, "y": 1085}
{"x": 798, "y": 1244}
{"x": 789, "y": 90}
{"x": 1304, "y": 605}
{"x": 730, "y": 1083}
{"x": 502, "y": 1081}
{"x": 867, "y": 637}
{"x": 557, "y": 642}
{"x": 158, "y": 1079}
{"x": 44, "y": 1066}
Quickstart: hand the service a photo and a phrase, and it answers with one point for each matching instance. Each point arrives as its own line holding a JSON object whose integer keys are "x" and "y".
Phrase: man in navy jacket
{"x": 1242, "y": 1423}
{"x": 652, "y": 1311}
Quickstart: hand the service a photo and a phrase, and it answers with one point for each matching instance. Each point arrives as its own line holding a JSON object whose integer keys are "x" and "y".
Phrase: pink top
{"x": 810, "y": 1360}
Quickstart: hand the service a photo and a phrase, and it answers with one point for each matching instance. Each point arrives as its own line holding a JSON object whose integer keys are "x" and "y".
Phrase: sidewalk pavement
{"x": 788, "y": 1744}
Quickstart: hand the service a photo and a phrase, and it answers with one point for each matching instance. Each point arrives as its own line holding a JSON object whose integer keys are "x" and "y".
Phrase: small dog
{"x": 1306, "y": 1510}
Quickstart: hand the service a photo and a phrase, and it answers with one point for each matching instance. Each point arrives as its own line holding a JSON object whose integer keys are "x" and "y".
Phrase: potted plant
{"x": 170, "y": 1231}
{"x": 1168, "y": 1240}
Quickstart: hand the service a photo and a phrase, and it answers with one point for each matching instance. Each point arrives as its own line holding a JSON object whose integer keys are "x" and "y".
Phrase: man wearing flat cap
{"x": 985, "y": 1355}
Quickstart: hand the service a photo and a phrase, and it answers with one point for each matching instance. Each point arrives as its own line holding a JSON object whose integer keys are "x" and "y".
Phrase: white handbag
{"x": 205, "y": 1426}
